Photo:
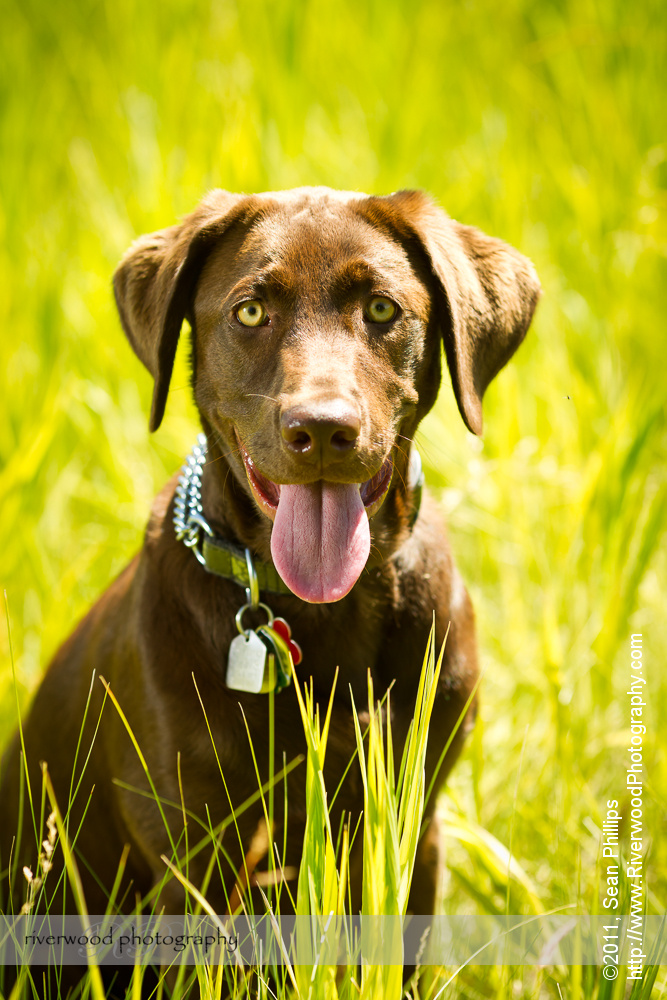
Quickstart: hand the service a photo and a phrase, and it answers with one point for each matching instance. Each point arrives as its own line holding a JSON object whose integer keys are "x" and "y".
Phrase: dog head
{"x": 317, "y": 319}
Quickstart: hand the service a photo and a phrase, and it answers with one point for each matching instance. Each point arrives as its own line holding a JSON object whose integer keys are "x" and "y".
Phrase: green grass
{"x": 538, "y": 121}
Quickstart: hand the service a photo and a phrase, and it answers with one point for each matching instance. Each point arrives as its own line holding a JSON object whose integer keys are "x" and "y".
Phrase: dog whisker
{"x": 263, "y": 395}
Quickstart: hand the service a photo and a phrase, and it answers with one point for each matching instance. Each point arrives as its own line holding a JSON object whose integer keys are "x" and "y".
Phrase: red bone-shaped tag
{"x": 280, "y": 626}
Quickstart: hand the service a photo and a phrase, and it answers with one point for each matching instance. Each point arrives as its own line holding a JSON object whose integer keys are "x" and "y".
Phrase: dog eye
{"x": 252, "y": 313}
{"x": 380, "y": 309}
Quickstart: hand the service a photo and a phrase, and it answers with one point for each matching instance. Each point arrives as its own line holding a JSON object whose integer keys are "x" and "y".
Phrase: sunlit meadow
{"x": 540, "y": 122}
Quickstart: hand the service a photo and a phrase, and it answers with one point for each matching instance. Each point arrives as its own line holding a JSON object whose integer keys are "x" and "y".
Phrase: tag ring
{"x": 252, "y": 590}
{"x": 252, "y": 607}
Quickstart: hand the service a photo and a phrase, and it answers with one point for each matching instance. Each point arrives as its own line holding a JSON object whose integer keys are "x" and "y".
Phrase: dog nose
{"x": 323, "y": 432}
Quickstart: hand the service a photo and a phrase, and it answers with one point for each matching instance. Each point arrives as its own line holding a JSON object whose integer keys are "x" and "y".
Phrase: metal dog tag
{"x": 246, "y": 662}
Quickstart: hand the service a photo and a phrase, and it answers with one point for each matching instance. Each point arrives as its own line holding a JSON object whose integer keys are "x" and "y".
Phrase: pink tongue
{"x": 320, "y": 540}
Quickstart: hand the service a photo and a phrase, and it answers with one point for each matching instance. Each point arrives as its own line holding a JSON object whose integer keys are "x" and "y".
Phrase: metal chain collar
{"x": 189, "y": 520}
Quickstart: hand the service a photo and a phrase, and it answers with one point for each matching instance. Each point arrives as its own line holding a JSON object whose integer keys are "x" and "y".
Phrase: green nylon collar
{"x": 228, "y": 560}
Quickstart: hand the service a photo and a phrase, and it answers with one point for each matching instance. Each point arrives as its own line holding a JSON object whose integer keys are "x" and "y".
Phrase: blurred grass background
{"x": 540, "y": 121}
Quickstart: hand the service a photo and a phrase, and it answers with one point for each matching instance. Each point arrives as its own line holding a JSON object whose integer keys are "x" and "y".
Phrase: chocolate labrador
{"x": 295, "y": 531}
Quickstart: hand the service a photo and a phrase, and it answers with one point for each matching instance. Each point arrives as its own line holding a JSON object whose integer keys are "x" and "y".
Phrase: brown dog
{"x": 317, "y": 321}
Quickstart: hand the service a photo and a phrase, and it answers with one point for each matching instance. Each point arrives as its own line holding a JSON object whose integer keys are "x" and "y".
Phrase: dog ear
{"x": 155, "y": 282}
{"x": 488, "y": 296}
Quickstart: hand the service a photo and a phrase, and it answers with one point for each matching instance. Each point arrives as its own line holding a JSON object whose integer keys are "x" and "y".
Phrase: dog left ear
{"x": 154, "y": 285}
{"x": 489, "y": 293}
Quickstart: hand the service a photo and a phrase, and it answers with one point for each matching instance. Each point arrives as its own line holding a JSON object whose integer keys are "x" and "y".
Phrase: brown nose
{"x": 324, "y": 432}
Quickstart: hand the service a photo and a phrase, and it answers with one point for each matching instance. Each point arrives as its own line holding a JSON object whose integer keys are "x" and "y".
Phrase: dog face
{"x": 317, "y": 321}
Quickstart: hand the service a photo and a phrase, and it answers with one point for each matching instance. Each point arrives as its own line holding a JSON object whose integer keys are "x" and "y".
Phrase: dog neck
{"x": 229, "y": 507}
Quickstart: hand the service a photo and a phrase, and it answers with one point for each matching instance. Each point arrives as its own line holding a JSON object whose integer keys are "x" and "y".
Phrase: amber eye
{"x": 252, "y": 313}
{"x": 380, "y": 309}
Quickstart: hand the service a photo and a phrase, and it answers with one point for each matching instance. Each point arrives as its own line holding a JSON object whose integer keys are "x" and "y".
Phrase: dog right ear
{"x": 155, "y": 282}
{"x": 487, "y": 292}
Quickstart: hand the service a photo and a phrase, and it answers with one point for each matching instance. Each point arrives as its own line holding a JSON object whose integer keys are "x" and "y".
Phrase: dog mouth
{"x": 267, "y": 493}
{"x": 320, "y": 540}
